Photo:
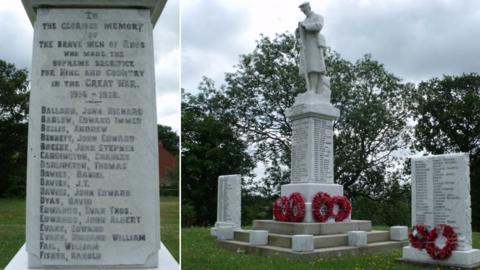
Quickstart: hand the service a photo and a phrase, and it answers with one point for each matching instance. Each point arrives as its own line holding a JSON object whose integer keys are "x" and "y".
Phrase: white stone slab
{"x": 165, "y": 258}
{"x": 302, "y": 242}
{"x": 459, "y": 258}
{"x": 229, "y": 202}
{"x": 357, "y": 238}
{"x": 258, "y": 237}
{"x": 441, "y": 194}
{"x": 92, "y": 192}
{"x": 225, "y": 232}
{"x": 399, "y": 233}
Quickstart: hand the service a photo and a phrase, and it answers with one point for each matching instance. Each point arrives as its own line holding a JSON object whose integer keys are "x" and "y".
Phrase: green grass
{"x": 12, "y": 226}
{"x": 169, "y": 219}
{"x": 200, "y": 252}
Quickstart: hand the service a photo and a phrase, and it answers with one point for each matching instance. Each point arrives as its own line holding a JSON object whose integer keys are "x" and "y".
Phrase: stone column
{"x": 92, "y": 178}
{"x": 312, "y": 118}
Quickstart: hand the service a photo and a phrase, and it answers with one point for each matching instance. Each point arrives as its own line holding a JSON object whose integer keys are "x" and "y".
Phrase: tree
{"x": 13, "y": 129}
{"x": 372, "y": 125}
{"x": 447, "y": 112}
{"x": 210, "y": 148}
{"x": 168, "y": 138}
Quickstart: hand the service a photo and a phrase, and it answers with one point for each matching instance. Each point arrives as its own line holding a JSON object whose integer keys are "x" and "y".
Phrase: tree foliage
{"x": 447, "y": 112}
{"x": 168, "y": 138}
{"x": 13, "y": 129}
{"x": 210, "y": 148}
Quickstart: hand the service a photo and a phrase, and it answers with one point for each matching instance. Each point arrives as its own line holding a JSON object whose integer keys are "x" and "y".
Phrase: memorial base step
{"x": 319, "y": 241}
{"x": 291, "y": 228}
{"x": 327, "y": 252}
{"x": 468, "y": 259}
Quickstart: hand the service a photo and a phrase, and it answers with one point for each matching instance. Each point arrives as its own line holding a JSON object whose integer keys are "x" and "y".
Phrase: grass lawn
{"x": 200, "y": 252}
{"x": 12, "y": 226}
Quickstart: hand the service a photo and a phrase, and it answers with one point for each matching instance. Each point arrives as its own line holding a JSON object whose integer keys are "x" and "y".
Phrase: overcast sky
{"x": 415, "y": 39}
{"x": 16, "y": 37}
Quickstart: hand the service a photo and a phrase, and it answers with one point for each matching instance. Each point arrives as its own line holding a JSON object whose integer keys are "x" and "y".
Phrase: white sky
{"x": 415, "y": 39}
{"x": 16, "y": 40}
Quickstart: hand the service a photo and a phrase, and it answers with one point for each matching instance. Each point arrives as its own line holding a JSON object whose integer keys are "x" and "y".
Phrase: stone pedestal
{"x": 302, "y": 242}
{"x": 312, "y": 118}
{"x": 357, "y": 238}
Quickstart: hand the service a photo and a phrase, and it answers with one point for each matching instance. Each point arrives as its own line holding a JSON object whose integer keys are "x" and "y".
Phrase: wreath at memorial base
{"x": 321, "y": 201}
{"x": 344, "y": 205}
{"x": 296, "y": 207}
{"x": 418, "y": 236}
{"x": 451, "y": 242}
{"x": 280, "y": 209}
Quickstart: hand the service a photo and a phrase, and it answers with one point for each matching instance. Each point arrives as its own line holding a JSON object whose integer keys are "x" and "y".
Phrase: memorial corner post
{"x": 92, "y": 169}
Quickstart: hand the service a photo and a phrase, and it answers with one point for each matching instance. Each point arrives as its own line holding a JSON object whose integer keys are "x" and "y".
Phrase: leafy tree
{"x": 210, "y": 148}
{"x": 169, "y": 139}
{"x": 13, "y": 129}
{"x": 372, "y": 125}
{"x": 447, "y": 112}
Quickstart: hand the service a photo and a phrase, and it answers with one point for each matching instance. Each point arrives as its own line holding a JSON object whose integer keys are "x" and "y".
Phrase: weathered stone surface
{"x": 258, "y": 237}
{"x": 229, "y": 202}
{"x": 225, "y": 232}
{"x": 154, "y": 6}
{"x": 302, "y": 242}
{"x": 92, "y": 195}
{"x": 399, "y": 233}
{"x": 441, "y": 194}
{"x": 312, "y": 140}
{"x": 357, "y": 238}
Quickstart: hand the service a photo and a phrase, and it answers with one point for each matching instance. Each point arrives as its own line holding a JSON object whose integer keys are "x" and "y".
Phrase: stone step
{"x": 291, "y": 228}
{"x": 320, "y": 241}
{"x": 268, "y": 250}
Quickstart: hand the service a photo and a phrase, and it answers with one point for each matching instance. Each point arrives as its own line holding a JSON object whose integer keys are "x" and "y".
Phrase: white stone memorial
{"x": 311, "y": 118}
{"x": 441, "y": 195}
{"x": 229, "y": 202}
{"x": 92, "y": 177}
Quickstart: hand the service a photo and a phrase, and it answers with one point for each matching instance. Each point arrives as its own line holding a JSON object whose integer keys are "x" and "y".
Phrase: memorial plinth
{"x": 312, "y": 117}
{"x": 92, "y": 177}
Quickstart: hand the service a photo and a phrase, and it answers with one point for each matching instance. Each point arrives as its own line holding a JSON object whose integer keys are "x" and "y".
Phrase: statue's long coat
{"x": 312, "y": 44}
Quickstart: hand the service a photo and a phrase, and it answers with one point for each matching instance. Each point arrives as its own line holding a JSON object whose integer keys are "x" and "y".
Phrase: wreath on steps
{"x": 280, "y": 209}
{"x": 296, "y": 207}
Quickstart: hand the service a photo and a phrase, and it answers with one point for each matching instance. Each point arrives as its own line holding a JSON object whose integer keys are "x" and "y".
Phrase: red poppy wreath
{"x": 280, "y": 209}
